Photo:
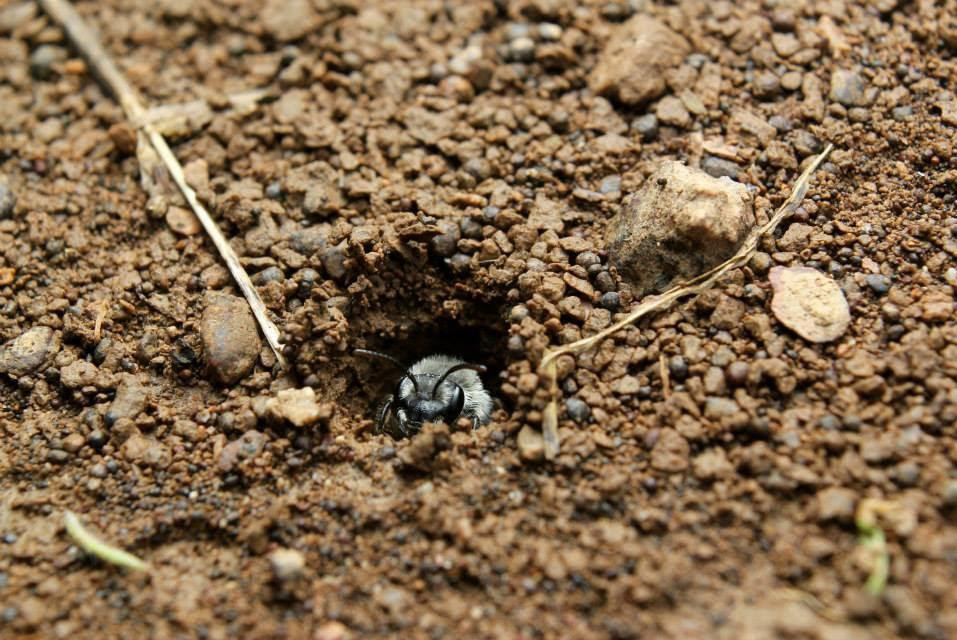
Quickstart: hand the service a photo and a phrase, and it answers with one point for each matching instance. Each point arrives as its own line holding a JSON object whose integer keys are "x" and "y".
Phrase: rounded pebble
{"x": 230, "y": 337}
{"x": 678, "y": 367}
{"x": 879, "y": 284}
{"x": 577, "y": 410}
{"x": 610, "y": 301}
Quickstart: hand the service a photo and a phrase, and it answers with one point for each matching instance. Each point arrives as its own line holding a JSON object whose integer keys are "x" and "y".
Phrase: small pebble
{"x": 737, "y": 372}
{"x": 274, "y": 190}
{"x": 766, "y": 85}
{"x": 858, "y": 114}
{"x": 907, "y": 474}
{"x": 531, "y": 444}
{"x": 287, "y": 564}
{"x": 516, "y": 344}
{"x": 611, "y": 184}
{"x": 577, "y": 410}
{"x": 848, "y": 89}
{"x": 549, "y": 31}
{"x": 478, "y": 168}
{"x": 678, "y": 368}
{"x": 610, "y": 301}
{"x": 183, "y": 221}
{"x": 836, "y": 503}
{"x": 902, "y": 113}
{"x": 719, "y": 167}
{"x": 298, "y": 407}
{"x": 334, "y": 262}
{"x": 470, "y": 229}
{"x": 78, "y": 374}
{"x": 760, "y": 262}
{"x": 779, "y": 122}
{"x": 587, "y": 259}
{"x": 43, "y": 59}
{"x": 646, "y": 126}
{"x": 460, "y": 262}
{"x": 96, "y": 439}
{"x": 879, "y": 284}
{"x": 516, "y": 30}
{"x": 605, "y": 282}
{"x": 57, "y": 456}
{"x": 267, "y": 275}
{"x": 697, "y": 60}
{"x": 852, "y": 422}
{"x": 522, "y": 49}
{"x": 73, "y": 442}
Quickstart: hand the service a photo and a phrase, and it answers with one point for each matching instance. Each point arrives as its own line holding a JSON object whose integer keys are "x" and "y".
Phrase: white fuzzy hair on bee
{"x": 437, "y": 388}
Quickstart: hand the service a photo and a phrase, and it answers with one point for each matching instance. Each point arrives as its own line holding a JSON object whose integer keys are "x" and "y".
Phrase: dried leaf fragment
{"x": 809, "y": 303}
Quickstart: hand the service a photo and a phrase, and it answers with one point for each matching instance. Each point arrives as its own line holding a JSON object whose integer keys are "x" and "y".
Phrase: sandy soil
{"x": 431, "y": 176}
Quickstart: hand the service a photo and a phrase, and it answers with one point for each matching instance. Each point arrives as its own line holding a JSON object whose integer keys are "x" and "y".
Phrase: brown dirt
{"x": 720, "y": 505}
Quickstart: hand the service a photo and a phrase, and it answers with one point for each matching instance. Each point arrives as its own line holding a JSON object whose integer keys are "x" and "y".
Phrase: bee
{"x": 436, "y": 388}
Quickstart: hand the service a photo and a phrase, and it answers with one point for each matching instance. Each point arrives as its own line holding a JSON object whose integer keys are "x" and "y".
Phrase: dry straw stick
{"x": 89, "y": 45}
{"x": 706, "y": 280}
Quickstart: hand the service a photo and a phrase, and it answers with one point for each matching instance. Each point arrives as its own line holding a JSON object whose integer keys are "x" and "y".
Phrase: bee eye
{"x": 456, "y": 403}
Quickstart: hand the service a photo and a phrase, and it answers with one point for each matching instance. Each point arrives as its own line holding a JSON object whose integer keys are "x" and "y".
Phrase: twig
{"x": 89, "y": 45}
{"x": 653, "y": 303}
{"x": 101, "y": 308}
{"x": 94, "y": 546}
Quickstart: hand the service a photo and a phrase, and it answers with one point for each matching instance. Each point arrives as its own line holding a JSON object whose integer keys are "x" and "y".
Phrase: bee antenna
{"x": 386, "y": 356}
{"x": 465, "y": 365}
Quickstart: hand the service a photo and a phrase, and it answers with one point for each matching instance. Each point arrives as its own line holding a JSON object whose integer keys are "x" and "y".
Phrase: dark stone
{"x": 610, "y": 301}
{"x": 678, "y": 367}
{"x": 719, "y": 167}
{"x": 646, "y": 126}
{"x": 879, "y": 284}
{"x": 269, "y": 274}
{"x": 577, "y": 410}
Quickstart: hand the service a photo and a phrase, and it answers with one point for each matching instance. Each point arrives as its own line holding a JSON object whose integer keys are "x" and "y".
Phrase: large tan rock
{"x": 678, "y": 225}
{"x": 631, "y": 67}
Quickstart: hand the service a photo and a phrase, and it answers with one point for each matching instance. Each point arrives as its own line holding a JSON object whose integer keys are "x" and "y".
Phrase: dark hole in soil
{"x": 479, "y": 339}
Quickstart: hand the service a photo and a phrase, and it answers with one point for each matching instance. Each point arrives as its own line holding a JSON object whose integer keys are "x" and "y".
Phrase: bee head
{"x": 423, "y": 397}
{"x": 426, "y": 402}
